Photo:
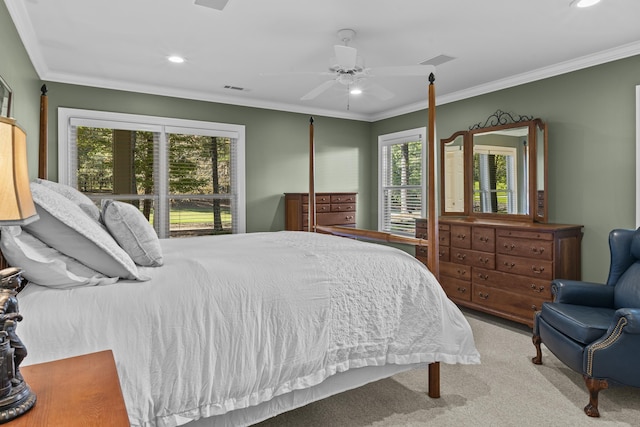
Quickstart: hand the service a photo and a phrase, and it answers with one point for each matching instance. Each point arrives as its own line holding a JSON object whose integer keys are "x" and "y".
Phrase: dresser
{"x": 331, "y": 209}
{"x": 504, "y": 268}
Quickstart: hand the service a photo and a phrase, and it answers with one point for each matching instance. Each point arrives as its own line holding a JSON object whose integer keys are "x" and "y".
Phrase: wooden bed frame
{"x": 432, "y": 230}
{"x": 432, "y": 214}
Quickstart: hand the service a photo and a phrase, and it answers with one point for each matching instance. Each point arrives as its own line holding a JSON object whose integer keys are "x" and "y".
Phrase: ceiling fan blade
{"x": 403, "y": 70}
{"x": 318, "y": 90}
{"x": 380, "y": 92}
{"x": 346, "y": 56}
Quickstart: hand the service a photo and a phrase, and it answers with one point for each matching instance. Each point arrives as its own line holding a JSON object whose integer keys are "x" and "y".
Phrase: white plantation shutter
{"x": 178, "y": 196}
{"x": 401, "y": 188}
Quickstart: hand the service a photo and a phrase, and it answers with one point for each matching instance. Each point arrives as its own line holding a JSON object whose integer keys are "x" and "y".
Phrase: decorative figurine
{"x": 16, "y": 397}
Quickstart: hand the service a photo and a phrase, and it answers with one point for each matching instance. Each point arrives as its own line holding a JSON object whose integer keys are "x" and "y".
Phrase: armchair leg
{"x": 538, "y": 357}
{"x": 594, "y": 386}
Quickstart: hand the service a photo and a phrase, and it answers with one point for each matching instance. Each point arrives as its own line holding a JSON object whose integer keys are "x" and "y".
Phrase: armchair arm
{"x": 582, "y": 293}
{"x": 632, "y": 315}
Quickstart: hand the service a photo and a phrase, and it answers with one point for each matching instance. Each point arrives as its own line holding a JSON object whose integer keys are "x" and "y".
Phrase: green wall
{"x": 591, "y": 118}
{"x": 590, "y": 113}
{"x": 17, "y": 71}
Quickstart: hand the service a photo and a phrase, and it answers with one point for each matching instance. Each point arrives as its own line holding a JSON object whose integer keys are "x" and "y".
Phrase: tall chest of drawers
{"x": 331, "y": 209}
{"x": 504, "y": 268}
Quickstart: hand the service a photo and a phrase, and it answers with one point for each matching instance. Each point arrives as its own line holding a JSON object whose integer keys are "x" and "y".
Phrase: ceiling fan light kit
{"x": 347, "y": 68}
{"x": 584, "y": 3}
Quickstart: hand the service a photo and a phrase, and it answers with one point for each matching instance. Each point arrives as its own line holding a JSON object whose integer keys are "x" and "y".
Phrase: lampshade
{"x": 16, "y": 204}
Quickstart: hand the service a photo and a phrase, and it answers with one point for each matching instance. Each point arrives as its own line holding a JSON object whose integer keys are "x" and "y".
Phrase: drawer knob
{"x": 484, "y": 239}
{"x": 461, "y": 236}
{"x": 460, "y": 256}
{"x": 509, "y": 247}
{"x": 462, "y": 290}
{"x": 534, "y": 307}
{"x": 483, "y": 295}
{"x": 462, "y": 272}
{"x": 537, "y": 270}
{"x": 483, "y": 276}
{"x": 483, "y": 260}
{"x": 537, "y": 289}
{"x": 509, "y": 264}
{"x": 537, "y": 251}
{"x": 441, "y": 254}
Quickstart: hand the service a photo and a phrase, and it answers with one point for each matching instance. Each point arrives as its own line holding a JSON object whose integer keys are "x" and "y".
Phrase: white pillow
{"x": 133, "y": 232}
{"x": 44, "y": 265}
{"x": 85, "y": 203}
{"x": 65, "y": 227}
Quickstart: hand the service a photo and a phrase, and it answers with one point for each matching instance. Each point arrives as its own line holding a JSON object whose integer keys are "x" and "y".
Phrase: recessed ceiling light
{"x": 355, "y": 91}
{"x": 176, "y": 59}
{"x": 584, "y": 3}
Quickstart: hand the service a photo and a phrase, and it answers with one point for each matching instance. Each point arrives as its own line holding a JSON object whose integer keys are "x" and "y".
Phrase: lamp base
{"x": 19, "y": 401}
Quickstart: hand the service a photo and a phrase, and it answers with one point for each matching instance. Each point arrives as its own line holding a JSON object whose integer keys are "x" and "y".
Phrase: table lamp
{"x": 16, "y": 208}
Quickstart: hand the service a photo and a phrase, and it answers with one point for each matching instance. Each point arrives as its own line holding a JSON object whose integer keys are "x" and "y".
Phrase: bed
{"x": 227, "y": 330}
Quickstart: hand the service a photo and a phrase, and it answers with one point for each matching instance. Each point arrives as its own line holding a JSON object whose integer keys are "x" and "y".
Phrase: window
{"x": 401, "y": 187}
{"x": 185, "y": 176}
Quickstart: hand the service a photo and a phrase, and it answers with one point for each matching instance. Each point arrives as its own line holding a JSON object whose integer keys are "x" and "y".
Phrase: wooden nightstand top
{"x": 78, "y": 391}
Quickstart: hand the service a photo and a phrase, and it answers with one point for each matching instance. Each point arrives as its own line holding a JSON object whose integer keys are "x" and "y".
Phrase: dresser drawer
{"x": 522, "y": 306}
{"x": 461, "y": 236}
{"x": 343, "y": 198}
{"x": 523, "y": 234}
{"x": 537, "y": 249}
{"x": 337, "y": 218}
{"x": 513, "y": 283}
{"x": 422, "y": 253}
{"x": 443, "y": 231}
{"x": 458, "y": 271}
{"x": 456, "y": 288}
{"x": 473, "y": 258}
{"x": 320, "y": 207}
{"x": 529, "y": 267}
{"x": 483, "y": 239}
{"x": 343, "y": 207}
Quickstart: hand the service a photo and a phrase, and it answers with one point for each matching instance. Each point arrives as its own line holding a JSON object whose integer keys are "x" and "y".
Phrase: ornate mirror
{"x": 5, "y": 99}
{"x": 503, "y": 169}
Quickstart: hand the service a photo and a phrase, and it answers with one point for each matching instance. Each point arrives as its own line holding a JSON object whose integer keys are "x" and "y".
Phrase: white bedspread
{"x": 232, "y": 321}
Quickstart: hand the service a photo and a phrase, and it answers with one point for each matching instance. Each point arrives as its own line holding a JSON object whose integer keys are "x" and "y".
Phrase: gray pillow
{"x": 45, "y": 265}
{"x": 85, "y": 203}
{"x": 133, "y": 232}
{"x": 65, "y": 227}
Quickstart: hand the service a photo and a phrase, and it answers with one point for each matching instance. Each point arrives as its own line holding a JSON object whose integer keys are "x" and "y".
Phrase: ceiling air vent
{"x": 238, "y": 88}
{"x": 438, "y": 60}
{"x": 213, "y": 4}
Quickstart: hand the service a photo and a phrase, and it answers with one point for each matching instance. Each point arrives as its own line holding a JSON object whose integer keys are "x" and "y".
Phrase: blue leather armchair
{"x": 595, "y": 328}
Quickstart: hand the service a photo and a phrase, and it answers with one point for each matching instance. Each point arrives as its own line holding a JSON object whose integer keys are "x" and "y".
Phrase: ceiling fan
{"x": 347, "y": 69}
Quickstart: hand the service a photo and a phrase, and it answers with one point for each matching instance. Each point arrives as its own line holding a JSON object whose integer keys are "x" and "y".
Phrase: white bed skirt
{"x": 333, "y": 385}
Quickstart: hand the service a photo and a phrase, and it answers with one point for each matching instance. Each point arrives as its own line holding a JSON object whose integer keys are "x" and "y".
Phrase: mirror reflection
{"x": 454, "y": 172}
{"x": 500, "y": 171}
{"x": 5, "y": 99}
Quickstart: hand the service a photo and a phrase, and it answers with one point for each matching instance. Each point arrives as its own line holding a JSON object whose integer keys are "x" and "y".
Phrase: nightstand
{"x": 78, "y": 391}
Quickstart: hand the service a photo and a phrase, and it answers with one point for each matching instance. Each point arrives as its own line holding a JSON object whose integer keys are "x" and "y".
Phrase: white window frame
{"x": 418, "y": 134}
{"x": 163, "y": 125}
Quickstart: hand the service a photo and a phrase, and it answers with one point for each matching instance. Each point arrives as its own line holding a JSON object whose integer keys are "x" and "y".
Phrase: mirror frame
{"x": 538, "y": 148}
{"x": 5, "y": 102}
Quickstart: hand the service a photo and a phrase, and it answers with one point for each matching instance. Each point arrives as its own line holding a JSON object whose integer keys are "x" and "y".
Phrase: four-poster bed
{"x": 234, "y": 329}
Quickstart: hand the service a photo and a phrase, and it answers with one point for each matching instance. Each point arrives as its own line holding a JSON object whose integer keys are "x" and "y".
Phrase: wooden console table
{"x": 78, "y": 391}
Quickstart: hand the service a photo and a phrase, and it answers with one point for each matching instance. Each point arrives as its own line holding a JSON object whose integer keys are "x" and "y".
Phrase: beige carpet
{"x": 505, "y": 390}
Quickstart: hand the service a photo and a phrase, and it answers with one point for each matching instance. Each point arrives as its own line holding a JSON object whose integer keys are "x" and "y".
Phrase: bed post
{"x": 312, "y": 190}
{"x": 42, "y": 149}
{"x": 432, "y": 223}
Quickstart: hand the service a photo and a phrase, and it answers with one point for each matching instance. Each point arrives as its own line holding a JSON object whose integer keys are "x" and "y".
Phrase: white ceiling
{"x": 266, "y": 47}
